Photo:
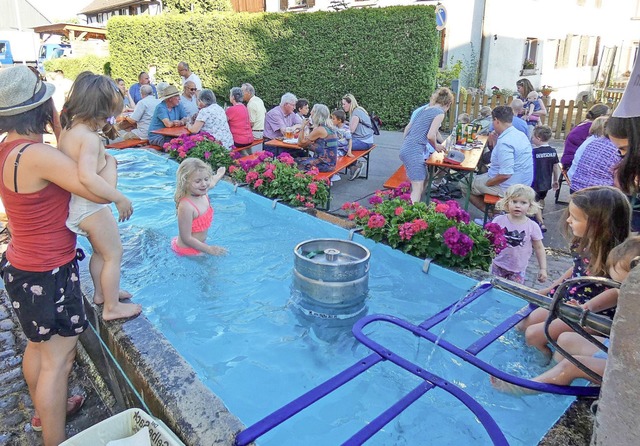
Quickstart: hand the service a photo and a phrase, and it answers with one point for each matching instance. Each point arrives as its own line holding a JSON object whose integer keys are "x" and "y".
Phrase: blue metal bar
{"x": 285, "y": 412}
{"x": 487, "y": 422}
{"x": 465, "y": 356}
{"x": 477, "y": 291}
{"x": 383, "y": 419}
{"x": 500, "y": 329}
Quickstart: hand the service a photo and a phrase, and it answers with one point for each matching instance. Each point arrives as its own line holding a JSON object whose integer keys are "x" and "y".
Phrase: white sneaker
{"x": 336, "y": 177}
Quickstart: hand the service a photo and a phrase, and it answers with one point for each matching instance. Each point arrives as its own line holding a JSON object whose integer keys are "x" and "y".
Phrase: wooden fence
{"x": 562, "y": 115}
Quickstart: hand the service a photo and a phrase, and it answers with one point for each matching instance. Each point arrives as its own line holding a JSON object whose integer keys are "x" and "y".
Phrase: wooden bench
{"x": 154, "y": 147}
{"x": 127, "y": 143}
{"x": 342, "y": 164}
{"x": 254, "y": 143}
{"x": 489, "y": 205}
{"x": 345, "y": 161}
{"x": 398, "y": 177}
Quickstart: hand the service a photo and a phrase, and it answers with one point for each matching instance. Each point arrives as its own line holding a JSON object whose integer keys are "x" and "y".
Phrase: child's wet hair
{"x": 92, "y": 99}
{"x": 515, "y": 191}
{"x": 608, "y": 223}
{"x": 188, "y": 167}
{"x": 625, "y": 256}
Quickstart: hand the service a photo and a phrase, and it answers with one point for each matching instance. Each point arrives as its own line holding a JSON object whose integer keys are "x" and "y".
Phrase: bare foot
{"x": 507, "y": 387}
{"x": 122, "y": 296}
{"x": 121, "y": 311}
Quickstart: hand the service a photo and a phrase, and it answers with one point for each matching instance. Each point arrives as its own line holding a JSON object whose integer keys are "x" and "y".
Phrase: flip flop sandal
{"x": 74, "y": 403}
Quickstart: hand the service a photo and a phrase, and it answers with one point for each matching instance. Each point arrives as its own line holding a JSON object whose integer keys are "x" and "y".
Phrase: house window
{"x": 530, "y": 54}
{"x": 583, "y": 52}
{"x": 296, "y": 4}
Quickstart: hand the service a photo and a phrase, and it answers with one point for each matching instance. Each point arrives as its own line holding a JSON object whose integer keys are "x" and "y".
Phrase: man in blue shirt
{"x": 511, "y": 160}
{"x": 168, "y": 113}
{"x": 134, "y": 90}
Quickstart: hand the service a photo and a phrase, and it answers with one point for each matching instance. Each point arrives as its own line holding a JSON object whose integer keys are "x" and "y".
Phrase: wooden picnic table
{"x": 172, "y": 131}
{"x": 472, "y": 154}
{"x": 283, "y": 145}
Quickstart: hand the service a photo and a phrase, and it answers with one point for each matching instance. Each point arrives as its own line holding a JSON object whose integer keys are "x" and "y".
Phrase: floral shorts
{"x": 506, "y": 274}
{"x": 46, "y": 303}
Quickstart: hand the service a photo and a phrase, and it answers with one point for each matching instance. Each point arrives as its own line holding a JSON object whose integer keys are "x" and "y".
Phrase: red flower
{"x": 399, "y": 210}
{"x": 313, "y": 188}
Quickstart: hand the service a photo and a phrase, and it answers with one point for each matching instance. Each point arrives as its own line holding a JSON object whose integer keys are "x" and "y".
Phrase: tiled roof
{"x": 108, "y": 5}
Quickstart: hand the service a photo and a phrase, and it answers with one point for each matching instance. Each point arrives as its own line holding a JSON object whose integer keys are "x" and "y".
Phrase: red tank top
{"x": 40, "y": 240}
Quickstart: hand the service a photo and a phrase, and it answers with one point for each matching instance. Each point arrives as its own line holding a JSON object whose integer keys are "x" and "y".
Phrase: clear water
{"x": 232, "y": 319}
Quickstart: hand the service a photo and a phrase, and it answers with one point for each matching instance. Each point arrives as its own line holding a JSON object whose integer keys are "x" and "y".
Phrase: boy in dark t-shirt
{"x": 546, "y": 167}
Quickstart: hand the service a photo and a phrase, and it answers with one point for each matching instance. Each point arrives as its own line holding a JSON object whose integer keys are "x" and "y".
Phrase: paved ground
{"x": 15, "y": 404}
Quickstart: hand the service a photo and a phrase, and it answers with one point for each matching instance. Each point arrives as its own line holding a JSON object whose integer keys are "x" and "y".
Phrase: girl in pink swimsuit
{"x": 195, "y": 214}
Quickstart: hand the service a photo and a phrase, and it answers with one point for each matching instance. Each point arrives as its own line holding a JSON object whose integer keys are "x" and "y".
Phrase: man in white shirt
{"x": 142, "y": 113}
{"x": 187, "y": 75}
{"x": 256, "y": 109}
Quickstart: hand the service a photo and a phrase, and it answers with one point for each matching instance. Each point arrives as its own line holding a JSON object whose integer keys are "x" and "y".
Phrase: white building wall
{"x": 493, "y": 33}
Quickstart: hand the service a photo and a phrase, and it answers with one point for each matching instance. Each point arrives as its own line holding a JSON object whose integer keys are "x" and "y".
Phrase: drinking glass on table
{"x": 288, "y": 133}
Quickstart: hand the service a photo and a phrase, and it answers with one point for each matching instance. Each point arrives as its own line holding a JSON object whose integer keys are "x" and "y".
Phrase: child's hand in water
{"x": 216, "y": 250}
{"x": 125, "y": 209}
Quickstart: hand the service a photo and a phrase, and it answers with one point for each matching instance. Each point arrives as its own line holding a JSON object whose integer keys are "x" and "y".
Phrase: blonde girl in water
{"x": 195, "y": 213}
{"x": 93, "y": 104}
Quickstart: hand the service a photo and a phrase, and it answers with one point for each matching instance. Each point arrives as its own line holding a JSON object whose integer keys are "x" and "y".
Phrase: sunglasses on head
{"x": 40, "y": 79}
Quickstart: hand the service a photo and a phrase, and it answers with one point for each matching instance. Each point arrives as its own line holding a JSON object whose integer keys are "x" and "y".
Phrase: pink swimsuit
{"x": 201, "y": 223}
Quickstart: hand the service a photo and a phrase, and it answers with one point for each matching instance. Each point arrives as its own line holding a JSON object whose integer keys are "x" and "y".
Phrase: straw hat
{"x": 169, "y": 92}
{"x": 22, "y": 90}
{"x": 629, "y": 106}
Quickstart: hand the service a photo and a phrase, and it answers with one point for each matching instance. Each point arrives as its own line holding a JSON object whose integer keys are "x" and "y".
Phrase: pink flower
{"x": 399, "y": 210}
{"x": 442, "y": 208}
{"x": 376, "y": 221}
{"x": 309, "y": 204}
{"x": 258, "y": 183}
{"x": 313, "y": 188}
{"x": 182, "y": 155}
{"x": 252, "y": 176}
{"x": 362, "y": 212}
{"x": 207, "y": 155}
{"x": 268, "y": 174}
{"x": 300, "y": 198}
{"x": 232, "y": 169}
{"x": 375, "y": 200}
{"x": 352, "y": 216}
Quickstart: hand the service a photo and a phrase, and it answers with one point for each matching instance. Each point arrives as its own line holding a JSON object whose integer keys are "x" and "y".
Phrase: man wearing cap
{"x": 142, "y": 113}
{"x": 511, "y": 160}
{"x": 187, "y": 75}
{"x": 168, "y": 113}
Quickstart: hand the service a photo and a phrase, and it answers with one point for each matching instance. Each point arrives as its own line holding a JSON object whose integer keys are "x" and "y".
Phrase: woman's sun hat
{"x": 21, "y": 90}
{"x": 169, "y": 92}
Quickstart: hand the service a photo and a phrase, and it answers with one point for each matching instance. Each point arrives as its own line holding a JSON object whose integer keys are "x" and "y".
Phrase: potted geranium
{"x": 201, "y": 145}
{"x": 441, "y": 231}
{"x": 546, "y": 90}
{"x": 279, "y": 177}
{"x": 528, "y": 64}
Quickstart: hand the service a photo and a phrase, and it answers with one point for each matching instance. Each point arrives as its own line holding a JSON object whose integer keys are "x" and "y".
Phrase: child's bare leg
{"x": 562, "y": 374}
{"x": 535, "y": 317}
{"x": 95, "y": 268}
{"x": 105, "y": 240}
{"x": 535, "y": 337}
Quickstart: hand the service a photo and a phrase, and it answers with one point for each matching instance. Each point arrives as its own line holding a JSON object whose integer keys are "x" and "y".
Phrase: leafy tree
{"x": 201, "y": 6}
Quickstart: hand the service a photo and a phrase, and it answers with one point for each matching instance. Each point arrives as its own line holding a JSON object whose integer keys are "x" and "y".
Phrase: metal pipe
{"x": 597, "y": 322}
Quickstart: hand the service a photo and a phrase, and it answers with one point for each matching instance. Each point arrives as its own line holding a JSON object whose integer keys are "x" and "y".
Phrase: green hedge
{"x": 386, "y": 57}
{"x": 72, "y": 66}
